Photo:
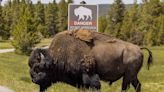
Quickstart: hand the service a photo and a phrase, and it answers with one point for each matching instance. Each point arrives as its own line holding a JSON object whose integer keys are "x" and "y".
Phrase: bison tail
{"x": 150, "y": 59}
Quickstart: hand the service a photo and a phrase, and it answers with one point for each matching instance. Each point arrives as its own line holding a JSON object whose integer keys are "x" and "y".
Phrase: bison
{"x": 84, "y": 56}
{"x": 66, "y": 60}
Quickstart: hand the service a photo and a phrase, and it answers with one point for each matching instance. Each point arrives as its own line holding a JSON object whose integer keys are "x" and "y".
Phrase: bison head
{"x": 40, "y": 64}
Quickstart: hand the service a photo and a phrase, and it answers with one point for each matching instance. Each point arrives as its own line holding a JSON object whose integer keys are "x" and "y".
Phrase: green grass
{"x": 6, "y": 44}
{"x": 14, "y": 74}
{"x": 44, "y": 42}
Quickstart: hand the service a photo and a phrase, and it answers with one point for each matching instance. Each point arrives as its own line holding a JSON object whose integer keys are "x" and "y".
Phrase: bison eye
{"x": 38, "y": 59}
{"x": 36, "y": 69}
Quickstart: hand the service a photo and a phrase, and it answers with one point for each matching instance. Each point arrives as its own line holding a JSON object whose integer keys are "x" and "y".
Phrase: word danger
{"x": 82, "y": 23}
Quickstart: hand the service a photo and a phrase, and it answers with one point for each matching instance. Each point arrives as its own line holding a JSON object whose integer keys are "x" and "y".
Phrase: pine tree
{"x": 25, "y": 35}
{"x": 1, "y": 22}
{"x": 149, "y": 21}
{"x": 102, "y": 24}
{"x": 39, "y": 13}
{"x": 51, "y": 18}
{"x": 7, "y": 15}
{"x": 130, "y": 31}
{"x": 161, "y": 32}
{"x": 40, "y": 18}
{"x": 115, "y": 18}
{"x": 160, "y": 37}
{"x": 15, "y": 12}
{"x": 4, "y": 34}
{"x": 62, "y": 16}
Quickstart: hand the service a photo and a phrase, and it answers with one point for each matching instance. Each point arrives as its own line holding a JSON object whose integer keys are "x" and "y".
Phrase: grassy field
{"x": 6, "y": 44}
{"x": 14, "y": 74}
{"x": 44, "y": 42}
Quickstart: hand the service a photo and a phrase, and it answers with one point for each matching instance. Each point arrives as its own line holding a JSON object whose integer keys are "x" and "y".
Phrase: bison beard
{"x": 67, "y": 60}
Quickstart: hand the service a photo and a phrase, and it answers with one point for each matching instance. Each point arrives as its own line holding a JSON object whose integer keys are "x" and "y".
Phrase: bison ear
{"x": 84, "y": 35}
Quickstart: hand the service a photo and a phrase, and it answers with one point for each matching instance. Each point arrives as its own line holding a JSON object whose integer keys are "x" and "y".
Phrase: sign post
{"x": 83, "y": 16}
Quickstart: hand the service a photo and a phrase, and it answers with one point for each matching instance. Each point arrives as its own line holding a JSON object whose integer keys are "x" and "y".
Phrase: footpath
{"x": 5, "y": 89}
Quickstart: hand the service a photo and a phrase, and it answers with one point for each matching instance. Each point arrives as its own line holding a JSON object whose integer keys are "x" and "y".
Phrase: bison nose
{"x": 36, "y": 81}
{"x": 33, "y": 80}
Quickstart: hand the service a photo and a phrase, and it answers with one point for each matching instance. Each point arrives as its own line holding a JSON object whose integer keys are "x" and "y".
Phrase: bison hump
{"x": 84, "y": 35}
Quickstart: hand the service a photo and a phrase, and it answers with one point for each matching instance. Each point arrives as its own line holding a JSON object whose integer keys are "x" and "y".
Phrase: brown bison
{"x": 95, "y": 53}
{"x": 66, "y": 60}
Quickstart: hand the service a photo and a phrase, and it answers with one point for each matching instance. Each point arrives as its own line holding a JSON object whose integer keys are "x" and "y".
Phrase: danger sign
{"x": 83, "y": 17}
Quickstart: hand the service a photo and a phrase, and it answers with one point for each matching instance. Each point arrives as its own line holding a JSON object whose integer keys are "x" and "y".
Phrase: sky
{"x": 87, "y": 1}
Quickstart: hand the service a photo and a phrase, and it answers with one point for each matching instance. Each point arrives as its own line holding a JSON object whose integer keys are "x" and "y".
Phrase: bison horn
{"x": 42, "y": 56}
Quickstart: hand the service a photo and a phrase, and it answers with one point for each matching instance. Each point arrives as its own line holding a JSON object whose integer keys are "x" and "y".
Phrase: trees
{"x": 160, "y": 36}
{"x": 39, "y": 13}
{"x": 151, "y": 10}
{"x": 4, "y": 32}
{"x": 40, "y": 19}
{"x": 102, "y": 24}
{"x": 115, "y": 18}
{"x": 62, "y": 16}
{"x": 1, "y": 22}
{"x": 129, "y": 28}
{"x": 24, "y": 33}
{"x": 141, "y": 24}
{"x": 51, "y": 18}
{"x": 7, "y": 15}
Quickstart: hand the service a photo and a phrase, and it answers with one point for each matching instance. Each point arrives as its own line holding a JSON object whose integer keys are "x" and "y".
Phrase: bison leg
{"x": 136, "y": 84}
{"x": 110, "y": 83}
{"x": 125, "y": 83}
{"x": 42, "y": 89}
{"x": 86, "y": 80}
{"x": 95, "y": 81}
{"x": 92, "y": 81}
